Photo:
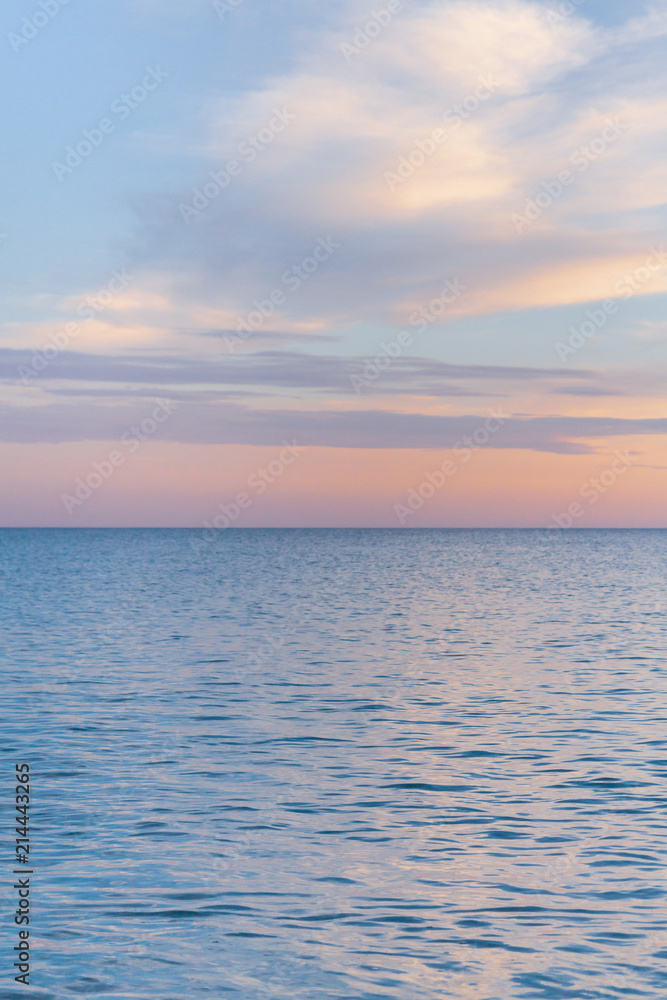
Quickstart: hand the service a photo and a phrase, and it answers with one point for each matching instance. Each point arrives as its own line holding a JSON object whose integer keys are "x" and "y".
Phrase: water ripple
{"x": 326, "y": 764}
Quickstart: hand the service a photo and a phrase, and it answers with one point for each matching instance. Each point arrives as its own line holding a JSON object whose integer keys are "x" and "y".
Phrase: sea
{"x": 323, "y": 764}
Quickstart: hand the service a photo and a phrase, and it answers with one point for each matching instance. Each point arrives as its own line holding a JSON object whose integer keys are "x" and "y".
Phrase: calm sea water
{"x": 339, "y": 764}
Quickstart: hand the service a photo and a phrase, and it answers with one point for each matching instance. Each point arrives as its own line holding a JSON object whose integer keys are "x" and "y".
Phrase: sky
{"x": 334, "y": 264}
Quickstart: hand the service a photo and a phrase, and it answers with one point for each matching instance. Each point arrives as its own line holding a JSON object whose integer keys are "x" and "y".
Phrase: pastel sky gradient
{"x": 517, "y": 268}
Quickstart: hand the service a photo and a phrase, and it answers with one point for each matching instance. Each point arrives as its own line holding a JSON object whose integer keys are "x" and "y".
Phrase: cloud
{"x": 276, "y": 370}
{"x": 588, "y": 390}
{"x": 647, "y": 27}
{"x": 651, "y": 330}
{"x": 514, "y": 41}
{"x": 355, "y": 121}
{"x": 232, "y": 423}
